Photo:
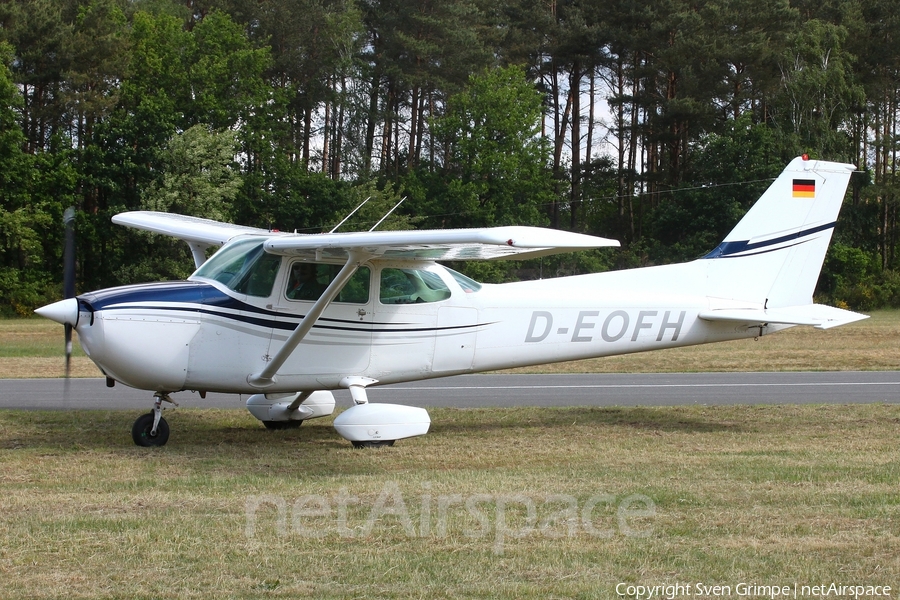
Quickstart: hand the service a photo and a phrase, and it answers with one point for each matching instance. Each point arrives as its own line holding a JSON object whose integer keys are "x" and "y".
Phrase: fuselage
{"x": 393, "y": 322}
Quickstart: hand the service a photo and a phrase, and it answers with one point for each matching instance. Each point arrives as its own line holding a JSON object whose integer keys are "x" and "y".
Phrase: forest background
{"x": 655, "y": 123}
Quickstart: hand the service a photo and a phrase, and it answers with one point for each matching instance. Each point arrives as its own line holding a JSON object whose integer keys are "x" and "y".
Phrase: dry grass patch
{"x": 653, "y": 495}
{"x": 41, "y": 367}
{"x": 34, "y": 348}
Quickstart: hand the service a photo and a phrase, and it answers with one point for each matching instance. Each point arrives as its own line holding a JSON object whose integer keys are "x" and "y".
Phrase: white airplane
{"x": 287, "y": 318}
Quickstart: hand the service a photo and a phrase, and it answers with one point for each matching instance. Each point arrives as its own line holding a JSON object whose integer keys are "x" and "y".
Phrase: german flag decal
{"x": 804, "y": 188}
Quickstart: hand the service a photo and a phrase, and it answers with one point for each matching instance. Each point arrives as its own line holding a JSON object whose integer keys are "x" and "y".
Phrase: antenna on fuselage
{"x": 388, "y": 213}
{"x": 352, "y": 212}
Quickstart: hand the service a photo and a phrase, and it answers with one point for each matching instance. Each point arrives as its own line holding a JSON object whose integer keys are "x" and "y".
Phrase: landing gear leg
{"x": 151, "y": 429}
{"x": 357, "y": 386}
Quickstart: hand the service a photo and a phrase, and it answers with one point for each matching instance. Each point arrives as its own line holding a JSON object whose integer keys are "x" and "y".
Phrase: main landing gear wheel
{"x": 373, "y": 444}
{"x": 278, "y": 425}
{"x": 142, "y": 431}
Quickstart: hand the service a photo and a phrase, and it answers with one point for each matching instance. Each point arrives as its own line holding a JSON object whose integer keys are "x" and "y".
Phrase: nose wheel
{"x": 151, "y": 429}
{"x": 144, "y": 433}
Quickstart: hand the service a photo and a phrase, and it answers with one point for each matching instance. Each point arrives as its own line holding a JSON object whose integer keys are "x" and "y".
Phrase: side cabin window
{"x": 409, "y": 286}
{"x": 468, "y": 285}
{"x": 243, "y": 267}
{"x": 308, "y": 280}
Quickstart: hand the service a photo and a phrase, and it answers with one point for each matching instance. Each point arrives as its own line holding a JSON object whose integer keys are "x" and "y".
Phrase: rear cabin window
{"x": 411, "y": 286}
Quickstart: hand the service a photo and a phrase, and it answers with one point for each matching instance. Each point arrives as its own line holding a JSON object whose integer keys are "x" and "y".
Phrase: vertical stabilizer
{"x": 775, "y": 253}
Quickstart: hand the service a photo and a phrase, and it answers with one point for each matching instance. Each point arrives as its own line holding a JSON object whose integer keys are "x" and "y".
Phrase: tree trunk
{"x": 575, "y": 93}
{"x": 413, "y": 127}
{"x": 371, "y": 119}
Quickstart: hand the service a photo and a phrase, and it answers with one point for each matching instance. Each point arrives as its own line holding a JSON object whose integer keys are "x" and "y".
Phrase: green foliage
{"x": 852, "y": 278}
{"x": 495, "y": 172}
{"x": 224, "y": 73}
{"x": 379, "y": 202}
{"x": 25, "y": 214}
{"x": 497, "y": 165}
{"x": 289, "y": 198}
{"x": 728, "y": 172}
{"x": 22, "y": 284}
{"x": 819, "y": 90}
{"x": 198, "y": 175}
{"x": 288, "y": 113}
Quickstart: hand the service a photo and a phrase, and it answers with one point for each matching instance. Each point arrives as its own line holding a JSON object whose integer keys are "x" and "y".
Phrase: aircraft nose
{"x": 64, "y": 311}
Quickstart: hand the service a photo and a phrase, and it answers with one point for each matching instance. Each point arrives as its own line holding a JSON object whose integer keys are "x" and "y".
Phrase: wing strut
{"x": 266, "y": 377}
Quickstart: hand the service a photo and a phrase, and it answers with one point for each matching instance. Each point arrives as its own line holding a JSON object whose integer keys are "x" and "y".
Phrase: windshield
{"x": 243, "y": 267}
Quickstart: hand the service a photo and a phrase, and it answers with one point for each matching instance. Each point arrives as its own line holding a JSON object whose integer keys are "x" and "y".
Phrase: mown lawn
{"x": 494, "y": 503}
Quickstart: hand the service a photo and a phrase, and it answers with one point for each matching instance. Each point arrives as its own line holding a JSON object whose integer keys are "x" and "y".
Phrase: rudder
{"x": 774, "y": 255}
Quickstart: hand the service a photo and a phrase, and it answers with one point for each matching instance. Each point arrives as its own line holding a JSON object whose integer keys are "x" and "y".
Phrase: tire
{"x": 373, "y": 444}
{"x": 140, "y": 431}
{"x": 279, "y": 425}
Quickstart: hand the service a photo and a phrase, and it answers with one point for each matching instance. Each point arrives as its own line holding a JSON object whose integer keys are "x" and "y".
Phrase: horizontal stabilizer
{"x": 819, "y": 316}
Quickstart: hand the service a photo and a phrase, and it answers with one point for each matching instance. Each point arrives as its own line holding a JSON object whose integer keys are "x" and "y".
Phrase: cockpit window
{"x": 408, "y": 286}
{"x": 307, "y": 281}
{"x": 243, "y": 267}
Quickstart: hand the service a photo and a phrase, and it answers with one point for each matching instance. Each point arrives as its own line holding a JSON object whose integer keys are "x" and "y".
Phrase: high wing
{"x": 189, "y": 229}
{"x": 435, "y": 244}
{"x": 439, "y": 244}
{"x": 200, "y": 234}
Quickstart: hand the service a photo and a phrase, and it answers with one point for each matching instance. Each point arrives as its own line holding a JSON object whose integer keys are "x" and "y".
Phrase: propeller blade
{"x": 69, "y": 254}
{"x": 69, "y": 276}
{"x": 68, "y": 349}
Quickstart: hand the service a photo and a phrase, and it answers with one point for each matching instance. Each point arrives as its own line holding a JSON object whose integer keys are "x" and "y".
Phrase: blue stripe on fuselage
{"x": 182, "y": 292}
{"x": 196, "y": 296}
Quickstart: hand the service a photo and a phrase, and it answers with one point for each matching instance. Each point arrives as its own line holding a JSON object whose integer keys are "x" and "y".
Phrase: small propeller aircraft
{"x": 288, "y": 318}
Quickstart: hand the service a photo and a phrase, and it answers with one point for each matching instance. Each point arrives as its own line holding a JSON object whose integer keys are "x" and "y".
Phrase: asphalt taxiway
{"x": 503, "y": 390}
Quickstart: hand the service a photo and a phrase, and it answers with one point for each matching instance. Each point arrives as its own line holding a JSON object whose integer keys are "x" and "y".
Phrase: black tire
{"x": 373, "y": 444}
{"x": 140, "y": 431}
{"x": 279, "y": 425}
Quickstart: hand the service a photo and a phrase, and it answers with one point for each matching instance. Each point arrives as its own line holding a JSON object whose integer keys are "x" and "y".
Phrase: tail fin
{"x": 775, "y": 253}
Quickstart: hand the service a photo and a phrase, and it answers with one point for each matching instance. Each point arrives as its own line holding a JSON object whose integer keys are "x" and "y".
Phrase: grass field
{"x": 493, "y": 503}
{"x": 526, "y": 503}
